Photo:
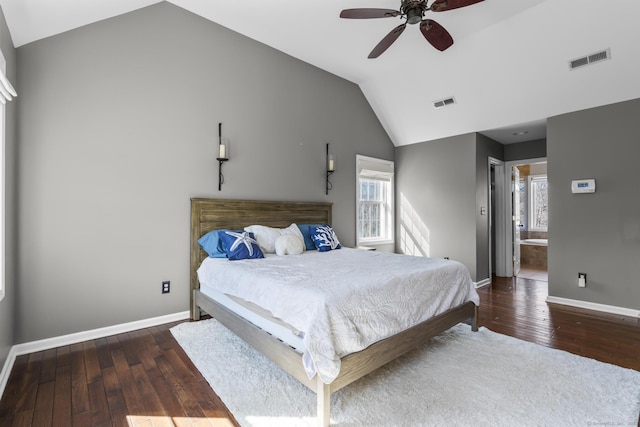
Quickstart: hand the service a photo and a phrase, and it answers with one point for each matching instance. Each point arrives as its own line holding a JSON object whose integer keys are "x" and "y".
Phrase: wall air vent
{"x": 590, "y": 59}
{"x": 444, "y": 102}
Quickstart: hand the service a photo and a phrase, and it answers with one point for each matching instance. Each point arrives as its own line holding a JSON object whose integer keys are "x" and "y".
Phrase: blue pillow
{"x": 240, "y": 245}
{"x": 307, "y": 230}
{"x": 325, "y": 238}
{"x": 212, "y": 244}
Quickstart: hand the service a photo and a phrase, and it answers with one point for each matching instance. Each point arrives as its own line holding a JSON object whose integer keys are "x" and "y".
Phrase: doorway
{"x": 530, "y": 219}
{"x": 507, "y": 226}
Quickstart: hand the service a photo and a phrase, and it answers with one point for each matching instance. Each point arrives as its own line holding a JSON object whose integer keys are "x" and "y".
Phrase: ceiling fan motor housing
{"x": 414, "y": 11}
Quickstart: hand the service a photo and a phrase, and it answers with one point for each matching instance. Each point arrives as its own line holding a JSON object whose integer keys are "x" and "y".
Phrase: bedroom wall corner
{"x": 7, "y": 305}
{"x": 118, "y": 130}
{"x": 436, "y": 199}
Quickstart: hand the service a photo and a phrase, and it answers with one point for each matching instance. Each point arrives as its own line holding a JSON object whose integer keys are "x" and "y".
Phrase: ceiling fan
{"x": 413, "y": 11}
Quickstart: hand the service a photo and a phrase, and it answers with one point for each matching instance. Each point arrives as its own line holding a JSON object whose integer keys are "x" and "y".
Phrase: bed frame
{"x": 211, "y": 214}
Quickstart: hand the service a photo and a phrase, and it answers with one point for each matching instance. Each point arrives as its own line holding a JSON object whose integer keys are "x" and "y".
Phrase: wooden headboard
{"x": 213, "y": 214}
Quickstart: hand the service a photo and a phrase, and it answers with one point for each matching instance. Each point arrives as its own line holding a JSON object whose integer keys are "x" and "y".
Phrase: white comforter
{"x": 344, "y": 300}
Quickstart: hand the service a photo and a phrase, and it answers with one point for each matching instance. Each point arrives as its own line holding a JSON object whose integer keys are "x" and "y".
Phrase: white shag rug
{"x": 460, "y": 378}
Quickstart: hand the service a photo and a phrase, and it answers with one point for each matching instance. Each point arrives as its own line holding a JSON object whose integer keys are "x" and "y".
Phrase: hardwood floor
{"x": 143, "y": 378}
{"x": 517, "y": 307}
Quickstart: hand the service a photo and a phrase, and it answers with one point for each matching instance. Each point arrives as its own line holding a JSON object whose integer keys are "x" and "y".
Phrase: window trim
{"x": 530, "y": 206}
{"x": 3, "y": 236}
{"x": 384, "y": 169}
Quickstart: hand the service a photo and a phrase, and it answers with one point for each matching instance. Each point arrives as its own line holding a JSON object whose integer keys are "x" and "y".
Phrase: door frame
{"x": 508, "y": 238}
{"x": 498, "y": 228}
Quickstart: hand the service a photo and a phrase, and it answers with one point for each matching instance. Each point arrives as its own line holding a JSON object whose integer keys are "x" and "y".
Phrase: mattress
{"x": 257, "y": 315}
{"x": 343, "y": 300}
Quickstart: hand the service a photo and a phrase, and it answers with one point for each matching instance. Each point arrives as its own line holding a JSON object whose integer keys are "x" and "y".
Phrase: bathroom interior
{"x": 533, "y": 220}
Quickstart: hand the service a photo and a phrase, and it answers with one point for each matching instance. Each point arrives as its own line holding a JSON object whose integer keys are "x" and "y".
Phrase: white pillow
{"x": 289, "y": 244}
{"x": 266, "y": 236}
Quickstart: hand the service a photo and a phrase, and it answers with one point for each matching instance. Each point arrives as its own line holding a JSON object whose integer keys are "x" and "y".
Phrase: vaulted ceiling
{"x": 507, "y": 71}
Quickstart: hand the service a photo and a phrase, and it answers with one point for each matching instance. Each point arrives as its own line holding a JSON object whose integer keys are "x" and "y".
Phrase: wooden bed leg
{"x": 195, "y": 310}
{"x": 474, "y": 320}
{"x": 323, "y": 392}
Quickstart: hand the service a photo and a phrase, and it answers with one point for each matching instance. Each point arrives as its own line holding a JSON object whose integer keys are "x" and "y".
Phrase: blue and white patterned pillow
{"x": 324, "y": 238}
{"x": 240, "y": 245}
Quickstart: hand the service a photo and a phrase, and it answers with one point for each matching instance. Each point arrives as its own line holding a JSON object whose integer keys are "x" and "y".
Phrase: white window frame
{"x": 3, "y": 68}
{"x": 530, "y": 206}
{"x": 383, "y": 170}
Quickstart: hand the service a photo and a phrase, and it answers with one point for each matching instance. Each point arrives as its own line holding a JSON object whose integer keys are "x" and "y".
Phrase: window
{"x": 374, "y": 200}
{"x": 538, "y": 203}
{"x": 3, "y": 66}
{"x": 524, "y": 201}
{"x": 7, "y": 92}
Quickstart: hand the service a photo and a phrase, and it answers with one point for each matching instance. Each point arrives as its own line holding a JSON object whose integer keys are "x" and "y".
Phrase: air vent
{"x": 590, "y": 59}
{"x": 444, "y": 102}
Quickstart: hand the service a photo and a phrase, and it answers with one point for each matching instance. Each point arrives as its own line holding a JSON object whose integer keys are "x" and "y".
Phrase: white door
{"x": 515, "y": 191}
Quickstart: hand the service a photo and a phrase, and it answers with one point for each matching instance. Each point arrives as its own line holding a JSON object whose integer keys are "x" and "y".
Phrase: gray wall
{"x": 7, "y": 321}
{"x": 485, "y": 148}
{"x": 525, "y": 150}
{"x": 436, "y": 199}
{"x": 599, "y": 233}
{"x": 118, "y": 129}
{"x": 441, "y": 187}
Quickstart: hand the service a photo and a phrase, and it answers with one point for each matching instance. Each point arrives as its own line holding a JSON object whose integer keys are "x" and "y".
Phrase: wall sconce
{"x": 330, "y": 168}
{"x": 222, "y": 157}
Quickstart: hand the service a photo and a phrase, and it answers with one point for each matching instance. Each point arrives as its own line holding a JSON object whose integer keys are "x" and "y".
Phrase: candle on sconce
{"x": 331, "y": 165}
{"x": 222, "y": 152}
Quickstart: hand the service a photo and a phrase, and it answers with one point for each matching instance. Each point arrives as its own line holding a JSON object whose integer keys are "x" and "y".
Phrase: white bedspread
{"x": 344, "y": 300}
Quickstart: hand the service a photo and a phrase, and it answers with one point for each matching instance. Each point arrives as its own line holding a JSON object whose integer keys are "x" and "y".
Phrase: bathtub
{"x": 533, "y": 253}
{"x": 536, "y": 242}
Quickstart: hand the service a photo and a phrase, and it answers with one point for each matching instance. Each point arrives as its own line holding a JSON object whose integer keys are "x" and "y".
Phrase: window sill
{"x": 375, "y": 242}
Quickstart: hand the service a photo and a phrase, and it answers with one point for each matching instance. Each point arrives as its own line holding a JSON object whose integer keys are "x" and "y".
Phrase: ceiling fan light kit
{"x": 412, "y": 11}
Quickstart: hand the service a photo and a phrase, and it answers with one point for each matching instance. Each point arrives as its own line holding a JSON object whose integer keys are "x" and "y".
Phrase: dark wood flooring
{"x": 143, "y": 378}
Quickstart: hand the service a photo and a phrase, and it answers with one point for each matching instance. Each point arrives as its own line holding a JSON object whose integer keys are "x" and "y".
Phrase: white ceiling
{"x": 508, "y": 69}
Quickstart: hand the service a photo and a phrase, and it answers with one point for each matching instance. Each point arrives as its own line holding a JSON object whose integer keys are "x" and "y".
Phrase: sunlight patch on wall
{"x": 414, "y": 234}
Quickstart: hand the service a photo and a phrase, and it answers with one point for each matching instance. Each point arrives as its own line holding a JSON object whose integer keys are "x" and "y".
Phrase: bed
{"x": 291, "y": 355}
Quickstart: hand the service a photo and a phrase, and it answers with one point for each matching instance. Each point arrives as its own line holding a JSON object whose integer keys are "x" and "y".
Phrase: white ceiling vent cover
{"x": 444, "y": 102}
{"x": 590, "y": 59}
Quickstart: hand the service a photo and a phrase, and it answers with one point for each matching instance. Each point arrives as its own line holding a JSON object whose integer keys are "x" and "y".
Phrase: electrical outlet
{"x": 582, "y": 280}
{"x": 166, "y": 287}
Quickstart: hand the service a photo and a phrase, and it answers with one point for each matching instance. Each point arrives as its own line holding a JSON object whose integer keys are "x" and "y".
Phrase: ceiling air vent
{"x": 444, "y": 102}
{"x": 590, "y": 59}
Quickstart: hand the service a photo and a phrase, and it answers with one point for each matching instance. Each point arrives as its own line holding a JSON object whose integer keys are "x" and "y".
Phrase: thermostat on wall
{"x": 583, "y": 186}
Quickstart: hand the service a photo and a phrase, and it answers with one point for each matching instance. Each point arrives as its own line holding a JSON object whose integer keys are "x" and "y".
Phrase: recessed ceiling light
{"x": 522, "y": 132}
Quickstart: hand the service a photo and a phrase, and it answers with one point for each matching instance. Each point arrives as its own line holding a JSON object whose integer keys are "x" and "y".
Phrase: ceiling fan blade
{"x": 368, "y": 13}
{"x": 443, "y": 5}
{"x": 387, "y": 41}
{"x": 436, "y": 34}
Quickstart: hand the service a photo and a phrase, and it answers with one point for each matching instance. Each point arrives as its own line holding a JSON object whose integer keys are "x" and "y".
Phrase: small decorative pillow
{"x": 325, "y": 238}
{"x": 240, "y": 245}
{"x": 289, "y": 245}
{"x": 307, "y": 230}
{"x": 266, "y": 236}
{"x": 212, "y": 244}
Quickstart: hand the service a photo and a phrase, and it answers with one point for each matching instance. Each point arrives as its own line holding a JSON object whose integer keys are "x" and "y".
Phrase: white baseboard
{"x": 46, "y": 344}
{"x": 6, "y": 369}
{"x": 595, "y": 306}
{"x": 482, "y": 283}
